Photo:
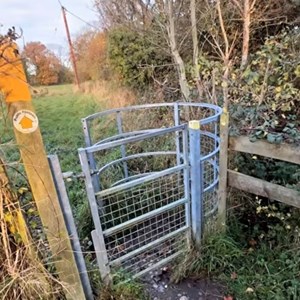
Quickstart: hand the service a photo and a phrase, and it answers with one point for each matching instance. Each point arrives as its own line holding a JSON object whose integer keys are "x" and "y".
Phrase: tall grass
{"x": 22, "y": 273}
{"x": 109, "y": 94}
{"x": 253, "y": 261}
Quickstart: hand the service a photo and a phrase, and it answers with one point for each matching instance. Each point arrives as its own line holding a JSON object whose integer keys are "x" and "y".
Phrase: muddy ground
{"x": 160, "y": 287}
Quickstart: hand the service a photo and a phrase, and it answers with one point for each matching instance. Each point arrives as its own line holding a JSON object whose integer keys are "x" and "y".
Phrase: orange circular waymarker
{"x": 25, "y": 121}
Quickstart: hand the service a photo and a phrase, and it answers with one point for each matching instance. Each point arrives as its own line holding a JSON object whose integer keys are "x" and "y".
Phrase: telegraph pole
{"x": 70, "y": 46}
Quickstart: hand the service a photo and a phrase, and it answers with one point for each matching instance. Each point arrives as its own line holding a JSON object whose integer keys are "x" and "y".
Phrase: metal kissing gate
{"x": 151, "y": 179}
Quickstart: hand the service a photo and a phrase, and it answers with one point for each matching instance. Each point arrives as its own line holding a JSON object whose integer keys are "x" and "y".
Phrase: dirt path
{"x": 159, "y": 287}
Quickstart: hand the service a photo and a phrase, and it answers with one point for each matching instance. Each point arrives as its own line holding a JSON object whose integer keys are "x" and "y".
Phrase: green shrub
{"x": 265, "y": 97}
{"x": 135, "y": 58}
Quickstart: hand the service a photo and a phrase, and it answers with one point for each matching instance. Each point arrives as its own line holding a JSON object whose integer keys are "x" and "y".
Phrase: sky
{"x": 41, "y": 20}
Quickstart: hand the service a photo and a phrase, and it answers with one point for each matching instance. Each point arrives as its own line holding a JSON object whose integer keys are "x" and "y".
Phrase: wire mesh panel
{"x": 135, "y": 201}
{"x": 136, "y": 218}
{"x": 143, "y": 220}
{"x": 138, "y": 181}
{"x": 149, "y": 259}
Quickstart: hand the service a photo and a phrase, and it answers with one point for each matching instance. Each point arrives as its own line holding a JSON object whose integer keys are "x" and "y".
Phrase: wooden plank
{"x": 34, "y": 159}
{"x": 285, "y": 152}
{"x": 263, "y": 188}
{"x": 224, "y": 132}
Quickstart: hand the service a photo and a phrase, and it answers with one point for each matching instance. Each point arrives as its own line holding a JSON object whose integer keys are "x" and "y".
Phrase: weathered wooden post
{"x": 26, "y": 127}
{"x": 224, "y": 133}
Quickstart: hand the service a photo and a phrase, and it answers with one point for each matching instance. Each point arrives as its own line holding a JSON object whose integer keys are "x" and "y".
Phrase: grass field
{"x": 60, "y": 115}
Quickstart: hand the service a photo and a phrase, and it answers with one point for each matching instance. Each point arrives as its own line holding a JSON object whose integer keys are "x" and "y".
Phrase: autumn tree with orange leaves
{"x": 91, "y": 55}
{"x": 43, "y": 66}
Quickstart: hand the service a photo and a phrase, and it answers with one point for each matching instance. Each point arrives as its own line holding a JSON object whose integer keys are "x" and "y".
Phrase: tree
{"x": 190, "y": 31}
{"x": 43, "y": 67}
{"x": 130, "y": 13}
{"x": 91, "y": 55}
{"x": 145, "y": 17}
{"x": 180, "y": 66}
{"x": 195, "y": 48}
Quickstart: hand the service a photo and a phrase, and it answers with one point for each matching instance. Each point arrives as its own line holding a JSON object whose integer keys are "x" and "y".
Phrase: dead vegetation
{"x": 110, "y": 94}
{"x": 22, "y": 274}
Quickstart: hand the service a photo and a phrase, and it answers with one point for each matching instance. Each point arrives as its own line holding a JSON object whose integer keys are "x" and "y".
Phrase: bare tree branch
{"x": 175, "y": 53}
{"x": 246, "y": 32}
{"x": 223, "y": 30}
{"x": 195, "y": 48}
{"x": 238, "y": 5}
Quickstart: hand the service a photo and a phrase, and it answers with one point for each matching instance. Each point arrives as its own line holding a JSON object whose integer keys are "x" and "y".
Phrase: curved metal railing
{"x": 141, "y": 120}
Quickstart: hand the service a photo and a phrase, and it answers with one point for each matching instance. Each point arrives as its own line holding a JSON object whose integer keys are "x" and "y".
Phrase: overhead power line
{"x": 77, "y": 17}
{"x": 82, "y": 20}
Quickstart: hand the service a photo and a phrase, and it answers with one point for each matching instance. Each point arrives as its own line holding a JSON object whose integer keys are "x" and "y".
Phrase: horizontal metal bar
{"x": 211, "y": 154}
{"x": 201, "y": 104}
{"x": 212, "y": 211}
{"x": 143, "y": 217}
{"x": 69, "y": 174}
{"x": 127, "y": 108}
{"x": 125, "y": 134}
{"x": 133, "y": 183}
{"x": 120, "y": 160}
{"x": 211, "y": 119}
{"x": 130, "y": 178}
{"x": 148, "y": 246}
{"x": 210, "y": 135}
{"x": 159, "y": 264}
{"x": 215, "y": 108}
{"x": 212, "y": 163}
{"x": 215, "y": 182}
{"x": 138, "y": 138}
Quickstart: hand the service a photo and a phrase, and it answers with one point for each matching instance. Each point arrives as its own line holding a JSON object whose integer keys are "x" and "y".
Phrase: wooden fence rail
{"x": 285, "y": 152}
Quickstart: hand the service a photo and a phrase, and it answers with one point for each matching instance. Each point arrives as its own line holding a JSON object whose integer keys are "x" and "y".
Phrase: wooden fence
{"x": 284, "y": 152}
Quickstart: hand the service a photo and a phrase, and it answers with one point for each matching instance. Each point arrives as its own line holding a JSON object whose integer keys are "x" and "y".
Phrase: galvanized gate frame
{"x": 191, "y": 161}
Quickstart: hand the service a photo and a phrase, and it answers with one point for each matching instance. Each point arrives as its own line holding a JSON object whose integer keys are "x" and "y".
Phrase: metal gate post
{"x": 196, "y": 181}
{"x": 97, "y": 234}
{"x": 88, "y": 143}
{"x": 123, "y": 148}
{"x": 70, "y": 223}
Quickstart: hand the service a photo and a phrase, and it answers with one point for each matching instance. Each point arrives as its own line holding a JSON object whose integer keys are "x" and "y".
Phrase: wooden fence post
{"x": 224, "y": 133}
{"x": 28, "y": 136}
